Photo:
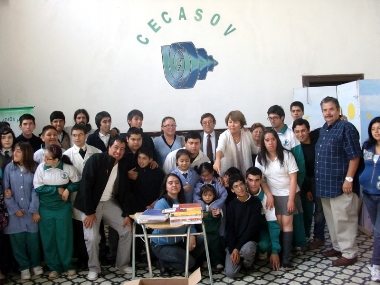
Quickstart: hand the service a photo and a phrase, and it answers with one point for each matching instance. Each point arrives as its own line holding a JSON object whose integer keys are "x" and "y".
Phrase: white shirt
{"x": 278, "y": 176}
{"x": 10, "y": 152}
{"x": 104, "y": 138}
{"x": 38, "y": 156}
{"x": 213, "y": 143}
{"x": 108, "y": 191}
{"x": 170, "y": 163}
{"x": 79, "y": 163}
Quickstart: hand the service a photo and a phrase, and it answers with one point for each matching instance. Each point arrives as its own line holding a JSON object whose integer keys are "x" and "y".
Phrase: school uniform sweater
{"x": 221, "y": 194}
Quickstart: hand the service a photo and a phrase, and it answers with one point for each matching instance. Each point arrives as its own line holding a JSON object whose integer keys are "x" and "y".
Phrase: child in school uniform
{"x": 23, "y": 208}
{"x": 212, "y": 225}
{"x": 148, "y": 182}
{"x": 189, "y": 177}
{"x": 54, "y": 180}
{"x": 49, "y": 137}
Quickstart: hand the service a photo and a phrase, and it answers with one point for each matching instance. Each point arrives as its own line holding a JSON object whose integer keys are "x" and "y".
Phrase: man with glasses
{"x": 276, "y": 117}
{"x": 242, "y": 229}
{"x": 209, "y": 136}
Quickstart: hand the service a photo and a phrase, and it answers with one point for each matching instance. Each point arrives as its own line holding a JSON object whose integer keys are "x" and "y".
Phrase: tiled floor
{"x": 311, "y": 268}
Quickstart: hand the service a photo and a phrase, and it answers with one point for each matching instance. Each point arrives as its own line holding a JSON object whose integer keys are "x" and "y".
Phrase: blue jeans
{"x": 373, "y": 206}
{"x": 174, "y": 255}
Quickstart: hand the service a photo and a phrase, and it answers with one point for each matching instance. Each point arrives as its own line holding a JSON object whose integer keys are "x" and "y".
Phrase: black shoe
{"x": 164, "y": 271}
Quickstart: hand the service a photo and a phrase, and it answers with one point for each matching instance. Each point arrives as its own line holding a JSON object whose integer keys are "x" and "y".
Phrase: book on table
{"x": 151, "y": 216}
{"x": 190, "y": 213}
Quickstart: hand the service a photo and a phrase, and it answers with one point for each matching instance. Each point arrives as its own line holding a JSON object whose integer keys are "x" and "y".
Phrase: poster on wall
{"x": 12, "y": 116}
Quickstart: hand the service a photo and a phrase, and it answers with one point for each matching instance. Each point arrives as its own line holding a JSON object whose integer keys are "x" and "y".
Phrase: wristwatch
{"x": 349, "y": 179}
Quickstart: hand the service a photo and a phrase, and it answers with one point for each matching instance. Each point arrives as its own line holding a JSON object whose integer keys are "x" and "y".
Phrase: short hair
{"x": 144, "y": 150}
{"x": 232, "y": 170}
{"x": 205, "y": 167}
{"x": 254, "y": 171}
{"x": 133, "y": 113}
{"x": 206, "y": 115}
{"x": 79, "y": 127}
{"x": 116, "y": 129}
{"x": 300, "y": 122}
{"x": 116, "y": 138}
{"x": 57, "y": 115}
{"x": 276, "y": 109}
{"x": 329, "y": 99}
{"x": 99, "y": 117}
{"x": 297, "y": 104}
{"x": 46, "y": 128}
{"x": 235, "y": 178}
{"x": 257, "y": 125}
{"x": 27, "y": 117}
{"x": 208, "y": 188}
{"x": 134, "y": 131}
{"x": 236, "y": 116}
{"x": 193, "y": 135}
{"x": 166, "y": 118}
{"x": 84, "y": 112}
{"x": 182, "y": 151}
{"x": 5, "y": 131}
{"x": 4, "y": 125}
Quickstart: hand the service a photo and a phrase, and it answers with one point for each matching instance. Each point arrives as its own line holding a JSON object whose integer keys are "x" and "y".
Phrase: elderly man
{"x": 209, "y": 136}
{"x": 337, "y": 159}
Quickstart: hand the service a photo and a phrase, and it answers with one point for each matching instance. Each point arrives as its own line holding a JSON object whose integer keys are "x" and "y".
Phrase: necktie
{"x": 209, "y": 148}
{"x": 82, "y": 153}
{"x": 6, "y": 154}
{"x": 184, "y": 175}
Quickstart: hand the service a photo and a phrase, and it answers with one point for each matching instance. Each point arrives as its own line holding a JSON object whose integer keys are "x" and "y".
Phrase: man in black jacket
{"x": 100, "y": 138}
{"x": 105, "y": 193}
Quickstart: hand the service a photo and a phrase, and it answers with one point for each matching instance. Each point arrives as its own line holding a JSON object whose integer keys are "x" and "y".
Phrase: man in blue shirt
{"x": 337, "y": 154}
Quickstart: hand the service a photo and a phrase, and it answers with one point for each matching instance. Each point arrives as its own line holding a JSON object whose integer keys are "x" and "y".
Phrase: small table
{"x": 161, "y": 226}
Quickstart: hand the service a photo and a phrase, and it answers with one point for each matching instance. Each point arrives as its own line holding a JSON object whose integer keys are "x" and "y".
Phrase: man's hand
{"x": 153, "y": 164}
{"x": 36, "y": 217}
{"x": 275, "y": 261}
{"x": 132, "y": 174}
{"x": 347, "y": 187}
{"x": 127, "y": 222}
{"x": 310, "y": 196}
{"x": 20, "y": 213}
{"x": 89, "y": 220}
{"x": 235, "y": 256}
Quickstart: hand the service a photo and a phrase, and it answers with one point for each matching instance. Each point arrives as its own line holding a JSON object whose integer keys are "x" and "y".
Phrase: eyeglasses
{"x": 241, "y": 186}
{"x": 78, "y": 135}
{"x": 275, "y": 118}
{"x": 169, "y": 126}
{"x": 205, "y": 123}
{"x": 47, "y": 159}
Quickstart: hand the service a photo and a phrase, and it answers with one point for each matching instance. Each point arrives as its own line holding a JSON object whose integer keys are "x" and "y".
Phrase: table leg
{"x": 207, "y": 253}
{"x": 187, "y": 251}
{"x": 133, "y": 250}
{"x": 147, "y": 251}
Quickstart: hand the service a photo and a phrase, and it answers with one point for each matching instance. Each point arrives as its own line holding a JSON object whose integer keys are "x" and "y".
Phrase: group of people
{"x": 261, "y": 188}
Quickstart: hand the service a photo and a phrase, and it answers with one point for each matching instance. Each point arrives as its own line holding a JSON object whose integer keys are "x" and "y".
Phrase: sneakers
{"x": 262, "y": 256}
{"x": 127, "y": 270}
{"x": 25, "y": 274}
{"x": 53, "y": 275}
{"x": 375, "y": 273}
{"x": 71, "y": 272}
{"x": 92, "y": 276}
{"x": 316, "y": 243}
{"x": 220, "y": 267}
{"x": 38, "y": 270}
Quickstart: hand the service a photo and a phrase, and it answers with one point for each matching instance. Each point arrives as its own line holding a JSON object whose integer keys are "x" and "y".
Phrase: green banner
{"x": 12, "y": 116}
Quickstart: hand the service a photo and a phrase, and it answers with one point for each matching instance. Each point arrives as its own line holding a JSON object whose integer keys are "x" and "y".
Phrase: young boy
{"x": 242, "y": 230}
{"x": 49, "y": 136}
{"x": 100, "y": 138}
{"x": 57, "y": 119}
{"x": 148, "y": 181}
{"x": 79, "y": 154}
{"x": 269, "y": 227}
{"x": 188, "y": 175}
{"x": 27, "y": 126}
{"x": 224, "y": 181}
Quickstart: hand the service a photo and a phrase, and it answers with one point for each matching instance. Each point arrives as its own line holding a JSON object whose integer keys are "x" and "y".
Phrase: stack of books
{"x": 186, "y": 214}
{"x": 151, "y": 216}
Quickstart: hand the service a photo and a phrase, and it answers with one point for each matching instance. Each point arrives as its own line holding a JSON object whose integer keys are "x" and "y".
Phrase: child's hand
{"x": 65, "y": 195}
{"x": 187, "y": 188}
{"x": 215, "y": 212}
{"x": 60, "y": 190}
{"x": 35, "y": 217}
{"x": 20, "y": 213}
{"x": 8, "y": 193}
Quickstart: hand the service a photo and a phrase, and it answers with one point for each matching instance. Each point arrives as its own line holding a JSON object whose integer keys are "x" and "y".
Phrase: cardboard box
{"x": 192, "y": 280}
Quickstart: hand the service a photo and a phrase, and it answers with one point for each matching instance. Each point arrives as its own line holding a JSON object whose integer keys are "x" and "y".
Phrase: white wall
{"x": 65, "y": 55}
